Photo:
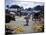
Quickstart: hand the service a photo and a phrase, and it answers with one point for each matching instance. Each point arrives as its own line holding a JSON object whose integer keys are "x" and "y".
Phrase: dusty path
{"x": 20, "y": 21}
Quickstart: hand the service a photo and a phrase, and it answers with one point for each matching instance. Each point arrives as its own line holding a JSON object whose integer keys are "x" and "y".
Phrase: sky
{"x": 24, "y": 4}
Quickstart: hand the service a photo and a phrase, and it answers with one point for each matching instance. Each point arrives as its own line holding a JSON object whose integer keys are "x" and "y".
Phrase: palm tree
{"x": 7, "y": 6}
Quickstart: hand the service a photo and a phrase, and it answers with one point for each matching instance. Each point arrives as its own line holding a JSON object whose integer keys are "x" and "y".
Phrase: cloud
{"x": 24, "y": 4}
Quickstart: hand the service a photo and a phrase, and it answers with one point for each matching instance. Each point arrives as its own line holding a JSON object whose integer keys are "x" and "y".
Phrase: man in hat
{"x": 27, "y": 20}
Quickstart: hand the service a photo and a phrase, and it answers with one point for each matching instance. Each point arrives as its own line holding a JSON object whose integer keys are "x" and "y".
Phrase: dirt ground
{"x": 19, "y": 23}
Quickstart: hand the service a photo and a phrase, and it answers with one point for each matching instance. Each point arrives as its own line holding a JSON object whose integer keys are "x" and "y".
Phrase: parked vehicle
{"x": 9, "y": 17}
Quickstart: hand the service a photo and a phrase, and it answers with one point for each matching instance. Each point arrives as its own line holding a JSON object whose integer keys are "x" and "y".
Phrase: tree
{"x": 39, "y": 8}
{"x": 15, "y": 6}
{"x": 29, "y": 9}
{"x": 7, "y": 6}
